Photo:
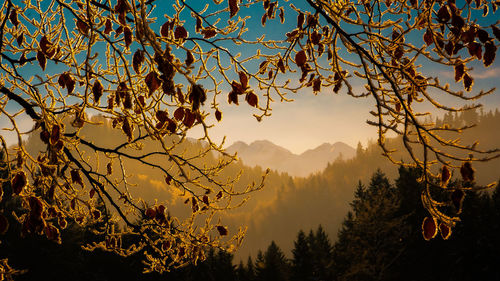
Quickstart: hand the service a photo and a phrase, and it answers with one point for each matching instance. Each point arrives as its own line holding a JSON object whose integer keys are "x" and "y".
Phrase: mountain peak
{"x": 264, "y": 153}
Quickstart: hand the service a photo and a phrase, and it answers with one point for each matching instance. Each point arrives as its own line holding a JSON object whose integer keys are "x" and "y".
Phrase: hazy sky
{"x": 326, "y": 117}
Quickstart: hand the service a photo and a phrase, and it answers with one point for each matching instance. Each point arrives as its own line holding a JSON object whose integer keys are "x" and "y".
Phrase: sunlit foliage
{"x": 155, "y": 79}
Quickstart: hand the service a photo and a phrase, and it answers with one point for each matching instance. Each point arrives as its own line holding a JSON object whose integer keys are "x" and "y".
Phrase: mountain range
{"x": 266, "y": 154}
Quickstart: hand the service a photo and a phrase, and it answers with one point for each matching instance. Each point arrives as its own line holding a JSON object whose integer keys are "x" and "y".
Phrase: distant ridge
{"x": 269, "y": 155}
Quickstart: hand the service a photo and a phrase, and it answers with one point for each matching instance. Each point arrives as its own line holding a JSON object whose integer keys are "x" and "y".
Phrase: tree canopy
{"x": 155, "y": 71}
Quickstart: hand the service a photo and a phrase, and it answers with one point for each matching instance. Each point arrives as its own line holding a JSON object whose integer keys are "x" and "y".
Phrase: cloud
{"x": 492, "y": 72}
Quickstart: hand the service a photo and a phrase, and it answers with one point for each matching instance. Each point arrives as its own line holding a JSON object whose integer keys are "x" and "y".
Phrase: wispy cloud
{"x": 492, "y": 72}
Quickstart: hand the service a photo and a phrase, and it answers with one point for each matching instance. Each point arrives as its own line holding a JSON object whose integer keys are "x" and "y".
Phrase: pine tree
{"x": 275, "y": 266}
{"x": 321, "y": 253}
{"x": 369, "y": 241}
{"x": 302, "y": 263}
{"x": 241, "y": 272}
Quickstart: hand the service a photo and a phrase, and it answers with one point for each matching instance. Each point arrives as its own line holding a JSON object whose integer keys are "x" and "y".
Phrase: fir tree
{"x": 275, "y": 266}
{"x": 302, "y": 263}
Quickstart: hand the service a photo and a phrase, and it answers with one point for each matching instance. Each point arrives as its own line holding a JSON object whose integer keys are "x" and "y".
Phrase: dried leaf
{"x": 467, "y": 171}
{"x": 189, "y": 118}
{"x": 128, "y": 129}
{"x": 92, "y": 193}
{"x": 179, "y": 114}
{"x": 218, "y": 115}
{"x": 22, "y": 60}
{"x": 483, "y": 35}
{"x": 75, "y": 177}
{"x": 233, "y": 8}
{"x": 127, "y": 102}
{"x": 13, "y": 18}
{"x": 457, "y": 21}
{"x": 168, "y": 178}
{"x": 208, "y": 33}
{"x": 96, "y": 214}
{"x": 55, "y": 134}
{"x": 252, "y": 99}
{"x": 445, "y": 176}
{"x": 180, "y": 96}
{"x": 429, "y": 228}
{"x": 270, "y": 10}
{"x": 315, "y": 37}
{"x": 243, "y": 79}
{"x": 198, "y": 24}
{"x": 300, "y": 58}
{"x": 20, "y": 39}
{"x": 485, "y": 10}
{"x": 82, "y": 27}
{"x": 445, "y": 231}
{"x": 469, "y": 35}
{"x": 232, "y": 97}
{"x": 222, "y": 230}
{"x": 109, "y": 168}
{"x": 281, "y": 65}
{"x": 66, "y": 81}
{"x": 152, "y": 82}
{"x": 127, "y": 33}
{"x": 468, "y": 82}
{"x": 19, "y": 182}
{"x": 263, "y": 67}
{"x": 459, "y": 72}
{"x": 337, "y": 86}
{"x": 194, "y": 205}
{"x": 300, "y": 20}
{"x": 46, "y": 47}
{"x": 162, "y": 116}
{"x": 197, "y": 96}
{"x": 263, "y": 20}
{"x": 490, "y": 51}
{"x": 62, "y": 79}
{"x": 496, "y": 32}
{"x": 52, "y": 233}
{"x": 189, "y": 58}
{"x": 449, "y": 48}
{"x": 41, "y": 60}
{"x": 443, "y": 14}
{"x": 137, "y": 60}
{"x": 180, "y": 33}
{"x": 150, "y": 213}
{"x": 97, "y": 90}
{"x": 282, "y": 15}
{"x": 317, "y": 85}
{"x": 164, "y": 29}
{"x": 475, "y": 50}
{"x": 108, "y": 27}
{"x": 399, "y": 52}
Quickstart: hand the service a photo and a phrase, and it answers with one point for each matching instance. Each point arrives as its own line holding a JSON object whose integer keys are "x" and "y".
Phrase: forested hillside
{"x": 286, "y": 205}
{"x": 379, "y": 239}
{"x": 324, "y": 198}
